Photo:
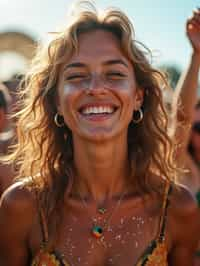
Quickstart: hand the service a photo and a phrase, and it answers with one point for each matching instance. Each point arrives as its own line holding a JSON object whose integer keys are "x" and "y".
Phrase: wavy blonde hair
{"x": 44, "y": 152}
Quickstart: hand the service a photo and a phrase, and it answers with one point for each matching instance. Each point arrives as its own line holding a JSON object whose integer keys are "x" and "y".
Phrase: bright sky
{"x": 160, "y": 25}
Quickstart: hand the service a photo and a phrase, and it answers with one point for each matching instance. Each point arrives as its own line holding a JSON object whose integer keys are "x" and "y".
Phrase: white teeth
{"x": 95, "y": 110}
{"x": 98, "y": 110}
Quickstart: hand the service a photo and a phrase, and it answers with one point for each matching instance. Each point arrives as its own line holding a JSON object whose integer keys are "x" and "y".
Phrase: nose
{"x": 97, "y": 85}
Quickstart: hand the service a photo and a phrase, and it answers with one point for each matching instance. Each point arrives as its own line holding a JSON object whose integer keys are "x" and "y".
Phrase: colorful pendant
{"x": 97, "y": 231}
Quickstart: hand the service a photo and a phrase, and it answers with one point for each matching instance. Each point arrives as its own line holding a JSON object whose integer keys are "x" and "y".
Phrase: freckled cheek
{"x": 129, "y": 107}
{"x": 71, "y": 89}
{"x": 123, "y": 85}
{"x": 127, "y": 89}
{"x": 68, "y": 97}
{"x": 127, "y": 94}
{"x": 128, "y": 103}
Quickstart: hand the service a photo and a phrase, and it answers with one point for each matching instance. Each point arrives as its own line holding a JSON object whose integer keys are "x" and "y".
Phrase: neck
{"x": 101, "y": 170}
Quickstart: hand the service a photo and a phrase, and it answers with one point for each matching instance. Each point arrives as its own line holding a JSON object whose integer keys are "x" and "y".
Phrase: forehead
{"x": 98, "y": 45}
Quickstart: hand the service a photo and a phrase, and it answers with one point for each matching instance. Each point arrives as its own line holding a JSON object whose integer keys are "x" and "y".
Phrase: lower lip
{"x": 97, "y": 117}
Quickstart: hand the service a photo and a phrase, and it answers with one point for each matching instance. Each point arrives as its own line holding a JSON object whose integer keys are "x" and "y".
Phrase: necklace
{"x": 97, "y": 230}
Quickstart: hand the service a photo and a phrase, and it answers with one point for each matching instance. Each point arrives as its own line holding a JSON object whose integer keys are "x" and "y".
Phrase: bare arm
{"x": 186, "y": 90}
{"x": 15, "y": 223}
{"x": 185, "y": 95}
{"x": 184, "y": 227}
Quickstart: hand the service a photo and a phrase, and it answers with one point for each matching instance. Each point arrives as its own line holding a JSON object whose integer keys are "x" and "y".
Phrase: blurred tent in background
{"x": 16, "y": 51}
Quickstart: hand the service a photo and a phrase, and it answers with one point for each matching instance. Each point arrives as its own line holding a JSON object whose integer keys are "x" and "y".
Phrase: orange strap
{"x": 168, "y": 189}
{"x": 44, "y": 227}
{"x": 42, "y": 219}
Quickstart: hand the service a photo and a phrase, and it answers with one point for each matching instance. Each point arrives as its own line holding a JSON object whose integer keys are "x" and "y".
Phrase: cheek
{"x": 67, "y": 96}
{"x": 128, "y": 97}
{"x": 69, "y": 89}
{"x": 125, "y": 87}
{"x": 128, "y": 94}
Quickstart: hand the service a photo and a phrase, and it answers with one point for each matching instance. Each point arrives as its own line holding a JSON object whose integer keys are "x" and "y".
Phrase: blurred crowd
{"x": 183, "y": 109}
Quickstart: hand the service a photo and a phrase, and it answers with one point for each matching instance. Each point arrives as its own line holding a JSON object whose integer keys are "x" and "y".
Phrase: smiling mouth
{"x": 95, "y": 112}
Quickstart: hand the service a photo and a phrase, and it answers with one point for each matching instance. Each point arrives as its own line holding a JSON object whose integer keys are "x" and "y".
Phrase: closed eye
{"x": 76, "y": 76}
{"x": 116, "y": 74}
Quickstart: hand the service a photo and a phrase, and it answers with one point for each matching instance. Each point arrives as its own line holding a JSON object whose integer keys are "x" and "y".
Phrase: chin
{"x": 101, "y": 135}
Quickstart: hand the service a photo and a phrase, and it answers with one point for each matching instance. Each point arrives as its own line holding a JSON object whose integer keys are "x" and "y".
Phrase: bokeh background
{"x": 159, "y": 24}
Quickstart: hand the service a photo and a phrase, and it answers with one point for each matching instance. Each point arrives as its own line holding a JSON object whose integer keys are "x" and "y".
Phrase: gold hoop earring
{"x": 57, "y": 121}
{"x": 137, "y": 116}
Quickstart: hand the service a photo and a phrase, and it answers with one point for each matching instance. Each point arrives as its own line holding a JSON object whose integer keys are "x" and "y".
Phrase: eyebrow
{"x": 106, "y": 63}
{"x": 74, "y": 65}
{"x": 116, "y": 62}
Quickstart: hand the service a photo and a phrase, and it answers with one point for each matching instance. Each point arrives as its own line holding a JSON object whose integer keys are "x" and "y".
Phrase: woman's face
{"x": 97, "y": 88}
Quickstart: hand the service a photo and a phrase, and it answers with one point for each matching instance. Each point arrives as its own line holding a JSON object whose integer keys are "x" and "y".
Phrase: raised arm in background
{"x": 185, "y": 95}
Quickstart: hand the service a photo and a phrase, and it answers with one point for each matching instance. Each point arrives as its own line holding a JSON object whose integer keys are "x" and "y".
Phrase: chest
{"x": 122, "y": 241}
{"x": 126, "y": 234}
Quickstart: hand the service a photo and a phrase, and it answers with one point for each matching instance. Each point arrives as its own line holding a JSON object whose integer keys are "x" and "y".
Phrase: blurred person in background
{"x": 6, "y": 136}
{"x": 187, "y": 108}
{"x": 188, "y": 111}
{"x": 5, "y": 103}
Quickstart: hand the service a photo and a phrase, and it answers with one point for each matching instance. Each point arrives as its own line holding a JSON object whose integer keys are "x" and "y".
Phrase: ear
{"x": 1, "y": 114}
{"x": 139, "y": 98}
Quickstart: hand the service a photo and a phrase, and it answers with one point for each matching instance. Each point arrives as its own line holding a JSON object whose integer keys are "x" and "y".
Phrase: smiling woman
{"x": 96, "y": 171}
{"x": 97, "y": 97}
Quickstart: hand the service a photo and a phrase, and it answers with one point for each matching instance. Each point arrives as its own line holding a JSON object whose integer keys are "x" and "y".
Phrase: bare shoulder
{"x": 17, "y": 204}
{"x": 17, "y": 214}
{"x": 182, "y": 223}
{"x": 18, "y": 198}
{"x": 182, "y": 202}
{"x": 184, "y": 215}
